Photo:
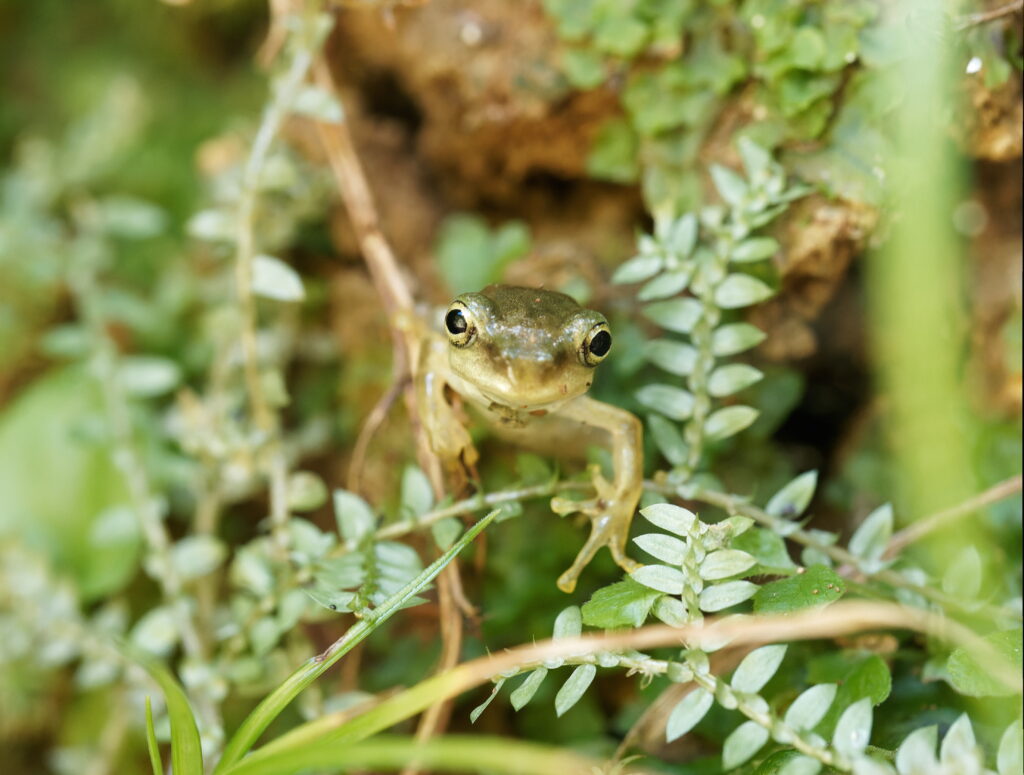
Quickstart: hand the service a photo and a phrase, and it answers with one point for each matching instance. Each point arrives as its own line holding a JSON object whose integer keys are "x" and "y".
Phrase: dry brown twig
{"x": 398, "y": 304}
{"x": 991, "y": 15}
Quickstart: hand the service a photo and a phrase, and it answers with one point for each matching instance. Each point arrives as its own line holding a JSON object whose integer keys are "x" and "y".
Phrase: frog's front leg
{"x": 611, "y": 511}
{"x": 445, "y": 430}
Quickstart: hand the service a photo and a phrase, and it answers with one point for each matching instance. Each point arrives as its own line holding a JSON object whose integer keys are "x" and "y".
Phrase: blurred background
{"x": 526, "y": 142}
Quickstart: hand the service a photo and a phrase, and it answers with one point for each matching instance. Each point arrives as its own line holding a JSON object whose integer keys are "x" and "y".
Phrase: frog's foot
{"x": 610, "y": 516}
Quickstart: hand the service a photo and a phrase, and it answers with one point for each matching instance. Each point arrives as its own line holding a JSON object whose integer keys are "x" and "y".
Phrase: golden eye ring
{"x": 596, "y": 345}
{"x": 458, "y": 324}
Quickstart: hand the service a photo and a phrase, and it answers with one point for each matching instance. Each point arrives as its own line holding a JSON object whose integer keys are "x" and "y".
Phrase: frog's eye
{"x": 459, "y": 326}
{"x": 596, "y": 344}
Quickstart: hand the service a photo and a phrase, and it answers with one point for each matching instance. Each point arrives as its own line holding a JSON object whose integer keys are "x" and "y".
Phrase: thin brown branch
{"x": 838, "y": 619}
{"x": 930, "y": 524}
{"x": 983, "y": 17}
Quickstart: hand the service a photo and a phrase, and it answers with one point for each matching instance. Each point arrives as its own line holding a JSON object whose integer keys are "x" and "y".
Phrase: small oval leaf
{"x": 729, "y": 421}
{"x": 741, "y": 290}
{"x": 574, "y": 688}
{"x": 757, "y": 668}
{"x": 688, "y": 713}
{"x": 726, "y": 595}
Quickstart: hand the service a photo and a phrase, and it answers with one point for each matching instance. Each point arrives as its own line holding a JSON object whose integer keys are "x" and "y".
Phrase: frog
{"x": 523, "y": 360}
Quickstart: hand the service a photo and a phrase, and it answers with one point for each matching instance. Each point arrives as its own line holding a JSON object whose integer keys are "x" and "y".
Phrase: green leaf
{"x": 959, "y": 746}
{"x": 817, "y": 586}
{"x": 197, "y": 555}
{"x": 872, "y": 536}
{"x": 754, "y": 249}
{"x": 574, "y": 688}
{"x": 1010, "y": 757}
{"x": 732, "y": 378}
{"x": 810, "y": 707}
{"x": 330, "y": 597}
{"x": 734, "y": 338}
{"x": 792, "y": 500}
{"x": 675, "y": 403}
{"x": 917, "y": 751}
{"x": 767, "y": 547}
{"x": 479, "y": 709}
{"x": 662, "y": 547}
{"x": 868, "y": 678}
{"x": 757, "y": 668}
{"x": 671, "y": 610}
{"x": 620, "y": 35}
{"x": 354, "y": 515}
{"x": 741, "y": 290}
{"x": 186, "y": 750}
{"x": 154, "y": 748}
{"x": 674, "y": 357}
{"x": 732, "y": 187}
{"x": 970, "y": 678}
{"x": 722, "y": 596}
{"x": 583, "y": 67}
{"x": 962, "y": 578}
{"x": 613, "y": 157}
{"x": 674, "y": 519}
{"x": 212, "y": 226}
{"x": 745, "y": 741}
{"x": 626, "y": 603}
{"x": 274, "y": 703}
{"x": 725, "y": 563}
{"x": 147, "y": 376}
{"x": 789, "y": 763}
{"x": 671, "y": 581}
{"x": 272, "y": 278}
{"x": 637, "y": 269}
{"x": 666, "y": 435}
{"x": 729, "y": 421}
{"x": 688, "y": 713}
{"x": 568, "y": 623}
{"x": 417, "y": 494}
{"x": 680, "y": 236}
{"x": 470, "y": 255}
{"x": 668, "y": 284}
{"x": 318, "y": 103}
{"x": 445, "y": 532}
{"x": 156, "y": 632}
{"x": 523, "y": 693}
{"x": 853, "y": 731}
{"x": 679, "y": 315}
{"x": 756, "y": 160}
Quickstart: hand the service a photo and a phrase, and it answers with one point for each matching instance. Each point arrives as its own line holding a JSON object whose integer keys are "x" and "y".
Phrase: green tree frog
{"x": 524, "y": 359}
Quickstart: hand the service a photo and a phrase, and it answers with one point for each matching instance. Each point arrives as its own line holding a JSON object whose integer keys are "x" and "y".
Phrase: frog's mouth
{"x": 529, "y": 389}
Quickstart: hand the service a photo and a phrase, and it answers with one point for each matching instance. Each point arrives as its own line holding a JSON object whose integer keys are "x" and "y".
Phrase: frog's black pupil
{"x": 601, "y": 343}
{"x": 455, "y": 322}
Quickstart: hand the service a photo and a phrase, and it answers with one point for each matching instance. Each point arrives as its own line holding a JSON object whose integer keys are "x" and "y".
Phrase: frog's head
{"x": 525, "y": 348}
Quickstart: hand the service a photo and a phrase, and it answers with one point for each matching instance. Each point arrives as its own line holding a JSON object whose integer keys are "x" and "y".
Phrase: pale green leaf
{"x": 671, "y": 610}
{"x": 318, "y": 103}
{"x": 660, "y": 577}
{"x": 523, "y": 693}
{"x": 568, "y": 623}
{"x": 674, "y": 357}
{"x": 726, "y": 595}
{"x": 734, "y": 338}
{"x": 197, "y": 555}
{"x": 662, "y": 547}
{"x": 679, "y": 315}
{"x": 724, "y": 563}
{"x": 637, "y": 269}
{"x": 916, "y": 754}
{"x": 675, "y": 403}
{"x": 688, "y": 713}
{"x": 792, "y": 500}
{"x": 668, "y": 284}
{"x": 732, "y": 378}
{"x": 574, "y": 688}
{"x": 354, "y": 515}
{"x": 417, "y": 494}
{"x": 1010, "y": 757}
{"x": 872, "y": 535}
{"x": 810, "y": 707}
{"x": 668, "y": 438}
{"x": 674, "y": 519}
{"x": 962, "y": 578}
{"x": 479, "y": 709}
{"x": 730, "y": 185}
{"x": 959, "y": 746}
{"x": 741, "y": 290}
{"x": 147, "y": 376}
{"x": 745, "y": 741}
{"x": 757, "y": 668}
{"x": 272, "y": 278}
{"x": 729, "y": 421}
{"x": 754, "y": 249}
{"x": 853, "y": 730}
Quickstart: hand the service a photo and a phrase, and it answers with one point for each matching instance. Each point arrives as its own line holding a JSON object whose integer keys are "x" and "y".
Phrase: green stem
{"x": 276, "y": 701}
